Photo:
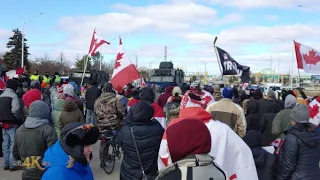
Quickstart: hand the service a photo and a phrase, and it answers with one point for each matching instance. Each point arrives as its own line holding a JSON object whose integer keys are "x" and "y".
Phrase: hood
{"x": 106, "y": 97}
{"x": 34, "y": 122}
{"x": 148, "y": 94}
{"x": 39, "y": 109}
{"x": 175, "y": 90}
{"x": 252, "y": 107}
{"x": 195, "y": 112}
{"x": 290, "y": 101}
{"x": 253, "y": 139}
{"x": 70, "y": 106}
{"x": 140, "y": 112}
{"x": 169, "y": 89}
{"x": 188, "y": 137}
{"x": 310, "y": 139}
{"x": 58, "y": 104}
{"x": 56, "y": 156}
{"x": 31, "y": 96}
{"x": 257, "y": 94}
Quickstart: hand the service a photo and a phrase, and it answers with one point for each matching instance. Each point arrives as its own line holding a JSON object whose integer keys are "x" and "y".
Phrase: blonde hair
{"x": 71, "y": 162}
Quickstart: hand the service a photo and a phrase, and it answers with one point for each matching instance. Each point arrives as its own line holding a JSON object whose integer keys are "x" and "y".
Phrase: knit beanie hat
{"x": 12, "y": 84}
{"x": 300, "y": 114}
{"x": 68, "y": 89}
{"x": 290, "y": 101}
{"x": 30, "y": 96}
{"x": 39, "y": 109}
{"x": 175, "y": 90}
{"x": 76, "y": 135}
{"x": 188, "y": 137}
{"x": 147, "y": 94}
{"x": 227, "y": 92}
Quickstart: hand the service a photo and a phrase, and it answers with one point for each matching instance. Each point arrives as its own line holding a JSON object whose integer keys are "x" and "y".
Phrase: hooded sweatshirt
{"x": 70, "y": 113}
{"x": 253, "y": 117}
{"x": 282, "y": 121}
{"x": 33, "y": 138}
{"x": 163, "y": 98}
{"x": 230, "y": 155}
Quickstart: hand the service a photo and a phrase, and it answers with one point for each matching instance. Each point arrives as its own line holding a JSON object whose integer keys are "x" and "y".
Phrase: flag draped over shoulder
{"x": 124, "y": 71}
{"x": 232, "y": 67}
{"x": 307, "y": 58}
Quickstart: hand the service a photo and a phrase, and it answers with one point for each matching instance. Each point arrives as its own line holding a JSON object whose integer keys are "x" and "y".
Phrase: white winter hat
{"x": 68, "y": 89}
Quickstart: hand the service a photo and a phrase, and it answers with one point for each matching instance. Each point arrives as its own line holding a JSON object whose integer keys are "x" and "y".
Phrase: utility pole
{"x": 165, "y": 53}
{"x": 136, "y": 61}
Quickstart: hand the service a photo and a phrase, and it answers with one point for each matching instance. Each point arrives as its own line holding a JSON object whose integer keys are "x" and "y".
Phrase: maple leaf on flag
{"x": 117, "y": 63}
{"x": 312, "y": 58}
{"x": 313, "y": 111}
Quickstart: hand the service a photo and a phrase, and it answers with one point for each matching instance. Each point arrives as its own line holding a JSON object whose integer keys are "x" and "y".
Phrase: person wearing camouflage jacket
{"x": 110, "y": 114}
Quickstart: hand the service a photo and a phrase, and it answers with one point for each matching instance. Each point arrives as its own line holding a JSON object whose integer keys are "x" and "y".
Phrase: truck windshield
{"x": 161, "y": 79}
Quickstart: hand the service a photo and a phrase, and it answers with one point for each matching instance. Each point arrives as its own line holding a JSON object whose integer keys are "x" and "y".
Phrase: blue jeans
{"x": 90, "y": 117}
{"x": 8, "y": 136}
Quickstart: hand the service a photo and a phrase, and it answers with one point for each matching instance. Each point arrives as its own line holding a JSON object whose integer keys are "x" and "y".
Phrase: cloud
{"x": 229, "y": 18}
{"x": 272, "y": 17}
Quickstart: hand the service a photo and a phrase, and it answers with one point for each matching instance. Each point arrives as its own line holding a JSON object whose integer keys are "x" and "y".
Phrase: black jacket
{"x": 269, "y": 106}
{"x": 266, "y": 127}
{"x": 91, "y": 96}
{"x": 148, "y": 134}
{"x": 300, "y": 155}
{"x": 253, "y": 117}
{"x": 265, "y": 163}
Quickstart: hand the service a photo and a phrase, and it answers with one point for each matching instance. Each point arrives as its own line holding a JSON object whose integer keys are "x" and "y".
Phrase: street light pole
{"x": 22, "y": 45}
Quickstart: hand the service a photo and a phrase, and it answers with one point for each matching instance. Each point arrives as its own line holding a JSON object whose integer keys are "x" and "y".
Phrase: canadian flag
{"x": 15, "y": 73}
{"x": 314, "y": 107}
{"x": 124, "y": 71}
{"x": 307, "y": 58}
{"x": 96, "y": 42}
{"x": 2, "y": 84}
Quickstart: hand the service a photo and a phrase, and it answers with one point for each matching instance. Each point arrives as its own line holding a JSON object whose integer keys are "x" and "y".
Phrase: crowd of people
{"x": 189, "y": 131}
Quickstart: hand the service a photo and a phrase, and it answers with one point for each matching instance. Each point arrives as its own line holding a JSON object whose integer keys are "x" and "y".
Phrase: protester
{"x": 269, "y": 105}
{"x": 147, "y": 133}
{"x": 266, "y": 164}
{"x": 163, "y": 98}
{"x": 265, "y": 128}
{"x": 134, "y": 99}
{"x": 70, "y": 113}
{"x": 227, "y": 148}
{"x": 123, "y": 100}
{"x": 10, "y": 119}
{"x": 33, "y": 138}
{"x": 147, "y": 94}
{"x": 172, "y": 108}
{"x": 29, "y": 97}
{"x": 189, "y": 143}
{"x": 300, "y": 154}
{"x": 217, "y": 93}
{"x": 252, "y": 116}
{"x": 59, "y": 103}
{"x": 282, "y": 121}
{"x": 257, "y": 95}
{"x": 175, "y": 92}
{"x": 69, "y": 158}
{"x": 92, "y": 93}
{"x": 110, "y": 114}
{"x": 228, "y": 112}
{"x": 69, "y": 94}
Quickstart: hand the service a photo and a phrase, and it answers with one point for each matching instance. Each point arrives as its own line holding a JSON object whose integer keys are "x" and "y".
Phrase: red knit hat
{"x": 31, "y": 96}
{"x": 188, "y": 137}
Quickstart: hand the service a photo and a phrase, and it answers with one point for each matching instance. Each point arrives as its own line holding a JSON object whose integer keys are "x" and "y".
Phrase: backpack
{"x": 193, "y": 167}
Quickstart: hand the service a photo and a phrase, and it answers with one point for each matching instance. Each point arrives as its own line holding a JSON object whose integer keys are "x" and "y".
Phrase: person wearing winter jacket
{"x": 29, "y": 97}
{"x": 134, "y": 99}
{"x": 32, "y": 140}
{"x": 300, "y": 153}
{"x": 253, "y": 117}
{"x": 266, "y": 163}
{"x": 123, "y": 100}
{"x": 59, "y": 103}
{"x": 69, "y": 158}
{"x": 282, "y": 121}
{"x": 266, "y": 128}
{"x": 147, "y": 132}
{"x": 70, "y": 113}
{"x": 228, "y": 112}
{"x": 92, "y": 94}
{"x": 69, "y": 94}
{"x": 172, "y": 108}
{"x": 163, "y": 98}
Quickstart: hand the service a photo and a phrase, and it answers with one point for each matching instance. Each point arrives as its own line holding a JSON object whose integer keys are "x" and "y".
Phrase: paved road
{"x": 98, "y": 173}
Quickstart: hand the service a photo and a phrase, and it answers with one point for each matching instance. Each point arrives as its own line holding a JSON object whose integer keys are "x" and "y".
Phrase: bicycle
{"x": 112, "y": 149}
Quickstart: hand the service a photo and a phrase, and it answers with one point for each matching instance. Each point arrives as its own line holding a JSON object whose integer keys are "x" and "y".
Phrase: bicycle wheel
{"x": 110, "y": 159}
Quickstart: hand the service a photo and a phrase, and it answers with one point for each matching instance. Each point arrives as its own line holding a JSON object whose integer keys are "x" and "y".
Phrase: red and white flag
{"x": 314, "y": 111}
{"x": 307, "y": 58}
{"x": 124, "y": 71}
{"x": 96, "y": 42}
{"x": 2, "y": 84}
{"x": 15, "y": 73}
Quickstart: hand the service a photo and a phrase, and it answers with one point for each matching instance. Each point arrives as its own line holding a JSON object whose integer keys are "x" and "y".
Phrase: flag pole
{"x": 215, "y": 50}
{"x": 84, "y": 70}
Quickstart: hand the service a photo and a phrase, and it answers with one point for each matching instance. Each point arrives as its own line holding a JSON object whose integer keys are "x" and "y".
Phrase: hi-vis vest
{"x": 34, "y": 77}
{"x": 57, "y": 80}
{"x": 46, "y": 79}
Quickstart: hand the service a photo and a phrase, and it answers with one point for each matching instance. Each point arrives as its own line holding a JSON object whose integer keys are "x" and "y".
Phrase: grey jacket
{"x": 15, "y": 104}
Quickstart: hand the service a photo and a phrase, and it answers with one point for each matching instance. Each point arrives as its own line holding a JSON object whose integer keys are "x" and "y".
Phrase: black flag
{"x": 232, "y": 67}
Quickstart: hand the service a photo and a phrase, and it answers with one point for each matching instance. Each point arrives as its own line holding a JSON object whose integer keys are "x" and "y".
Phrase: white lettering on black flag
{"x": 232, "y": 67}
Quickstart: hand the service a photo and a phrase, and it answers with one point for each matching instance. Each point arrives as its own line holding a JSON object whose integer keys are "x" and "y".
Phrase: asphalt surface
{"x": 98, "y": 173}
